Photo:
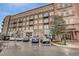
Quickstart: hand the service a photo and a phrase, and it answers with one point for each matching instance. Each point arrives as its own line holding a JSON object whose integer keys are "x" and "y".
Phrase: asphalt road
{"x": 28, "y": 49}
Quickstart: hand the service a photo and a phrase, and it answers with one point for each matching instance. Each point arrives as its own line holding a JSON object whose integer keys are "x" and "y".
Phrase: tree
{"x": 57, "y": 27}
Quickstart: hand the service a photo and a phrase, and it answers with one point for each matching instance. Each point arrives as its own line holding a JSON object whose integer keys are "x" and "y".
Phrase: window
{"x": 46, "y": 21}
{"x": 46, "y": 14}
{"x": 70, "y": 20}
{"x": 23, "y": 23}
{"x": 64, "y": 5}
{"x": 65, "y": 13}
{"x": 31, "y": 22}
{"x": 40, "y": 26}
{"x": 31, "y": 28}
{"x": 35, "y": 27}
{"x": 35, "y": 22}
{"x": 26, "y": 28}
{"x": 59, "y": 5}
{"x": 23, "y": 28}
{"x": 19, "y": 28}
{"x": 51, "y": 19}
{"x": 59, "y": 13}
{"x": 36, "y": 16}
{"x": 68, "y": 12}
{"x": 51, "y": 13}
{"x": 46, "y": 26}
{"x": 31, "y": 17}
{"x": 40, "y": 21}
{"x": 69, "y": 4}
{"x": 27, "y": 23}
{"x": 40, "y": 15}
{"x": 27, "y": 18}
{"x": 46, "y": 31}
{"x": 24, "y": 19}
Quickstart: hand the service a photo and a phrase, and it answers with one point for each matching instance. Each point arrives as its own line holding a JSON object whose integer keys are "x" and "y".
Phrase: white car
{"x": 12, "y": 38}
{"x": 45, "y": 40}
{"x": 26, "y": 39}
{"x": 17, "y": 39}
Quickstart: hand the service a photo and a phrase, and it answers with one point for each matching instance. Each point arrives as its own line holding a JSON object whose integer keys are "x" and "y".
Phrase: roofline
{"x": 33, "y": 9}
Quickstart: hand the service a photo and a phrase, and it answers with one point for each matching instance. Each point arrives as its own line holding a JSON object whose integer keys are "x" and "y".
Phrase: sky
{"x": 14, "y": 8}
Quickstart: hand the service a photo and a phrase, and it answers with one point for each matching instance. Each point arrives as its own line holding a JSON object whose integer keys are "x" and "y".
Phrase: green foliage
{"x": 57, "y": 25}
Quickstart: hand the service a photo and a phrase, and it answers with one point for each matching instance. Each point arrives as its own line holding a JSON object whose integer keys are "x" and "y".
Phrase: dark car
{"x": 6, "y": 38}
{"x": 35, "y": 39}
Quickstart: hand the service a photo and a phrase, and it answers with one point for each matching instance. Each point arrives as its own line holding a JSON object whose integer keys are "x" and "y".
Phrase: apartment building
{"x": 38, "y": 20}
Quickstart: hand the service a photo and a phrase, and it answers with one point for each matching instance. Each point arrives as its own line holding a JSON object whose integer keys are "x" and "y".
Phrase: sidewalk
{"x": 68, "y": 45}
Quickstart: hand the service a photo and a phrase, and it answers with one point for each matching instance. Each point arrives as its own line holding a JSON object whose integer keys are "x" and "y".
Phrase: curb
{"x": 65, "y": 46}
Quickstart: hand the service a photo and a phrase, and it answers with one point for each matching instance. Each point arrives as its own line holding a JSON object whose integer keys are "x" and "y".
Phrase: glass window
{"x": 26, "y": 28}
{"x": 23, "y": 23}
{"x": 24, "y": 19}
{"x": 59, "y": 13}
{"x": 35, "y": 22}
{"x": 51, "y": 13}
{"x": 46, "y": 14}
{"x": 67, "y": 12}
{"x": 31, "y": 22}
{"x": 46, "y": 31}
{"x": 27, "y": 18}
{"x": 40, "y": 26}
{"x": 23, "y": 28}
{"x": 70, "y": 12}
{"x": 36, "y": 16}
{"x": 40, "y": 21}
{"x": 46, "y": 26}
{"x": 64, "y": 5}
{"x": 35, "y": 27}
{"x": 70, "y": 20}
{"x": 27, "y": 23}
{"x": 31, "y": 17}
{"x": 59, "y": 5}
{"x": 46, "y": 21}
{"x": 40, "y": 15}
{"x": 69, "y": 4}
{"x": 51, "y": 19}
{"x": 31, "y": 28}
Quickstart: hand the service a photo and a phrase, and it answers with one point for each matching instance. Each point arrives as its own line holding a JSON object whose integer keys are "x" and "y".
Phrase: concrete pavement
{"x": 28, "y": 49}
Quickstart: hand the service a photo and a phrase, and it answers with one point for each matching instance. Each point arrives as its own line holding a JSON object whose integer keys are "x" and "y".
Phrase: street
{"x": 20, "y": 48}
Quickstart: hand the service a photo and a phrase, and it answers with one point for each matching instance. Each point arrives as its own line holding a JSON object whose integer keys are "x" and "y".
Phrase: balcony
{"x": 31, "y": 19}
{"x": 14, "y": 27}
{"x": 20, "y": 21}
{"x": 19, "y": 26}
{"x": 31, "y": 25}
{"x": 46, "y": 17}
{"x": 14, "y": 22}
{"x": 46, "y": 23}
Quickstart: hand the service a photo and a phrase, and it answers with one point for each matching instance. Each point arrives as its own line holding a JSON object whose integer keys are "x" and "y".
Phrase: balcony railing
{"x": 31, "y": 19}
{"x": 46, "y": 17}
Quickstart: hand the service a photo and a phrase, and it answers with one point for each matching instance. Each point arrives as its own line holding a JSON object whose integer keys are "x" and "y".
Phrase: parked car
{"x": 6, "y": 38}
{"x": 35, "y": 39}
{"x": 12, "y": 38}
{"x": 26, "y": 39}
{"x": 45, "y": 40}
{"x": 19, "y": 39}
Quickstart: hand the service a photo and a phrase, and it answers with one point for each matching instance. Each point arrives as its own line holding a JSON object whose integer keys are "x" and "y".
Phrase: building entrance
{"x": 71, "y": 36}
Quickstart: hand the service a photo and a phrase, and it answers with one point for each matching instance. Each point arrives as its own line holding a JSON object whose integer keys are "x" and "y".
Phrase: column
{"x": 74, "y": 36}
